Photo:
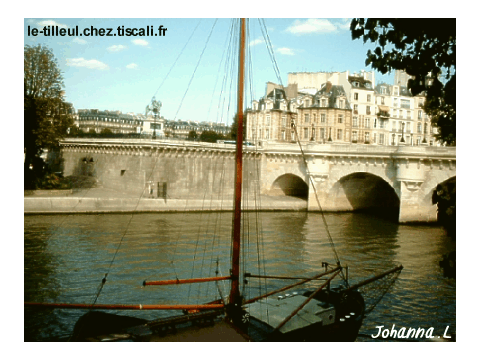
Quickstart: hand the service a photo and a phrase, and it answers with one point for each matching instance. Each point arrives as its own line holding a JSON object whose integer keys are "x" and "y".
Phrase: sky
{"x": 125, "y": 72}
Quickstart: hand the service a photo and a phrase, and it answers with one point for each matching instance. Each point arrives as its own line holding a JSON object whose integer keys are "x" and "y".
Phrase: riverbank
{"x": 98, "y": 200}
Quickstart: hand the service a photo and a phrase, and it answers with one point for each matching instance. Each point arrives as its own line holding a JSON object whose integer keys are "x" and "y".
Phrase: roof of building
{"x": 332, "y": 92}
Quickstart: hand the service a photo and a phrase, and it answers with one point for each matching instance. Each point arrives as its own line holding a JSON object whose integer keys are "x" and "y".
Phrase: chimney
{"x": 329, "y": 86}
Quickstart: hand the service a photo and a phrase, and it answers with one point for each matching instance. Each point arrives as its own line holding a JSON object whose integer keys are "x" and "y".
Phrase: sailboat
{"x": 325, "y": 311}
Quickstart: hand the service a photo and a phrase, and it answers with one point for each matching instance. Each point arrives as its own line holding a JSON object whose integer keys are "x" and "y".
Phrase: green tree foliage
{"x": 46, "y": 115}
{"x": 211, "y": 136}
{"x": 234, "y": 127}
{"x": 192, "y": 135}
{"x": 425, "y": 49}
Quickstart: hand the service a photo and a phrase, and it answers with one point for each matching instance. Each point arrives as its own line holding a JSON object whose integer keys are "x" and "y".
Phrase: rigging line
{"x": 232, "y": 69}
{"x": 318, "y": 202}
{"x": 198, "y": 240}
{"x": 216, "y": 227}
{"x": 208, "y": 222}
{"x": 126, "y": 229}
{"x": 269, "y": 46}
{"x": 178, "y": 57}
{"x": 196, "y": 67}
{"x": 218, "y": 73}
{"x": 306, "y": 165}
{"x": 227, "y": 63}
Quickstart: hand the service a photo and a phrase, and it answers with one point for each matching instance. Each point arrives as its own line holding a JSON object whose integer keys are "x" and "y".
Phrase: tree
{"x": 192, "y": 135}
{"x": 47, "y": 116}
{"x": 211, "y": 136}
{"x": 234, "y": 127}
{"x": 425, "y": 49}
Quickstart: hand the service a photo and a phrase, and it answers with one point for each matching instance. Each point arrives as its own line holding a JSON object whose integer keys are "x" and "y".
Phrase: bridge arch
{"x": 364, "y": 191}
{"x": 289, "y": 185}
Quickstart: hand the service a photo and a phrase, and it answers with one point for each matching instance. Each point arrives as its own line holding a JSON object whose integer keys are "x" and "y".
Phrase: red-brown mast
{"x": 235, "y": 291}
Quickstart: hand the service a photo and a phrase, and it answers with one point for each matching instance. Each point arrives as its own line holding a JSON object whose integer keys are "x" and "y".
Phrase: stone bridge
{"x": 397, "y": 179}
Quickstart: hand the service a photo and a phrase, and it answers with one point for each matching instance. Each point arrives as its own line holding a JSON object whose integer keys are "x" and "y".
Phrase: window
{"x": 395, "y": 90}
{"x": 267, "y": 134}
{"x": 305, "y": 133}
{"x": 408, "y": 126}
{"x": 354, "y": 136}
{"x": 355, "y": 109}
{"x": 367, "y": 137}
{"x": 367, "y": 123}
{"x": 314, "y": 117}
{"x": 293, "y": 136}
{"x": 383, "y": 100}
{"x": 395, "y": 102}
{"x": 355, "y": 121}
{"x": 323, "y": 118}
{"x": 322, "y": 133}
{"x": 340, "y": 118}
{"x": 419, "y": 114}
{"x": 374, "y": 138}
{"x": 284, "y": 121}
{"x": 405, "y": 104}
{"x": 268, "y": 120}
{"x": 355, "y": 96}
{"x": 381, "y": 139}
{"x": 369, "y": 98}
{"x": 341, "y": 104}
{"x": 339, "y": 134}
{"x": 409, "y": 116}
{"x": 307, "y": 118}
{"x": 283, "y": 134}
{"x": 324, "y": 102}
{"x": 368, "y": 110}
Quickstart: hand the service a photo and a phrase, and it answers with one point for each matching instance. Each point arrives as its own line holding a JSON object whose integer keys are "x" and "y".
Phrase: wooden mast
{"x": 235, "y": 290}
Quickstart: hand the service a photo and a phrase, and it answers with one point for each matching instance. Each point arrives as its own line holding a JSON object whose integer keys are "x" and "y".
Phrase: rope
{"x": 178, "y": 57}
{"x": 195, "y": 70}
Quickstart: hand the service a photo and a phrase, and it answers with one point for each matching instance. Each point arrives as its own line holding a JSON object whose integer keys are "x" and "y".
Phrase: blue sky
{"x": 123, "y": 73}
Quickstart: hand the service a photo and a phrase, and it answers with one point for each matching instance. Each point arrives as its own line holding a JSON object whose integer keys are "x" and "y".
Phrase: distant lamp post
{"x": 402, "y": 140}
{"x": 154, "y": 108}
{"x": 313, "y": 133}
{"x": 330, "y": 135}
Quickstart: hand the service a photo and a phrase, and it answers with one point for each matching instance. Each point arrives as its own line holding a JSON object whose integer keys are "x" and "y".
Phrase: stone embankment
{"x": 104, "y": 201}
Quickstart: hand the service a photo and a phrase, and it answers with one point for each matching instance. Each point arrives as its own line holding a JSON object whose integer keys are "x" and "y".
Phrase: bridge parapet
{"x": 411, "y": 171}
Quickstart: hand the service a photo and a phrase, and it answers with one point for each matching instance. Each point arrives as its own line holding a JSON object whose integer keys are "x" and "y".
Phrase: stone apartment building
{"x": 341, "y": 107}
{"x": 322, "y": 116}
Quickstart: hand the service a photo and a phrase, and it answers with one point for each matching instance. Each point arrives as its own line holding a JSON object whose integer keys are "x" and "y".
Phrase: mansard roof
{"x": 360, "y": 83}
{"x": 332, "y": 92}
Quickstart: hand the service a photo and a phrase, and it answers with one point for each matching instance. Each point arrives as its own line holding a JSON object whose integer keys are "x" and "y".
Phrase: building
{"x": 362, "y": 99}
{"x": 324, "y": 116}
{"x": 118, "y": 123}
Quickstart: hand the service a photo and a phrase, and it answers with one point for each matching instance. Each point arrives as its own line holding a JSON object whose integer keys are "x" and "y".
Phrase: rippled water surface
{"x": 66, "y": 258}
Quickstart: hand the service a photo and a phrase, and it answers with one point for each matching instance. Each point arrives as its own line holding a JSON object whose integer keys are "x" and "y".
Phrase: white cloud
{"x": 285, "y": 51}
{"x": 79, "y": 41}
{"x": 115, "y": 48}
{"x": 140, "y": 42}
{"x": 132, "y": 66}
{"x": 345, "y": 25}
{"x": 51, "y": 23}
{"x": 90, "y": 64}
{"x": 256, "y": 42}
{"x": 310, "y": 26}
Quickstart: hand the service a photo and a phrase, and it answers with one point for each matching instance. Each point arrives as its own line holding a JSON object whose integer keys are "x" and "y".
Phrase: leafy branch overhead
{"x": 425, "y": 49}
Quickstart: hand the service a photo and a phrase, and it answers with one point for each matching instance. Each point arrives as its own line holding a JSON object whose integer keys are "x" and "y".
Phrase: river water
{"x": 66, "y": 257}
